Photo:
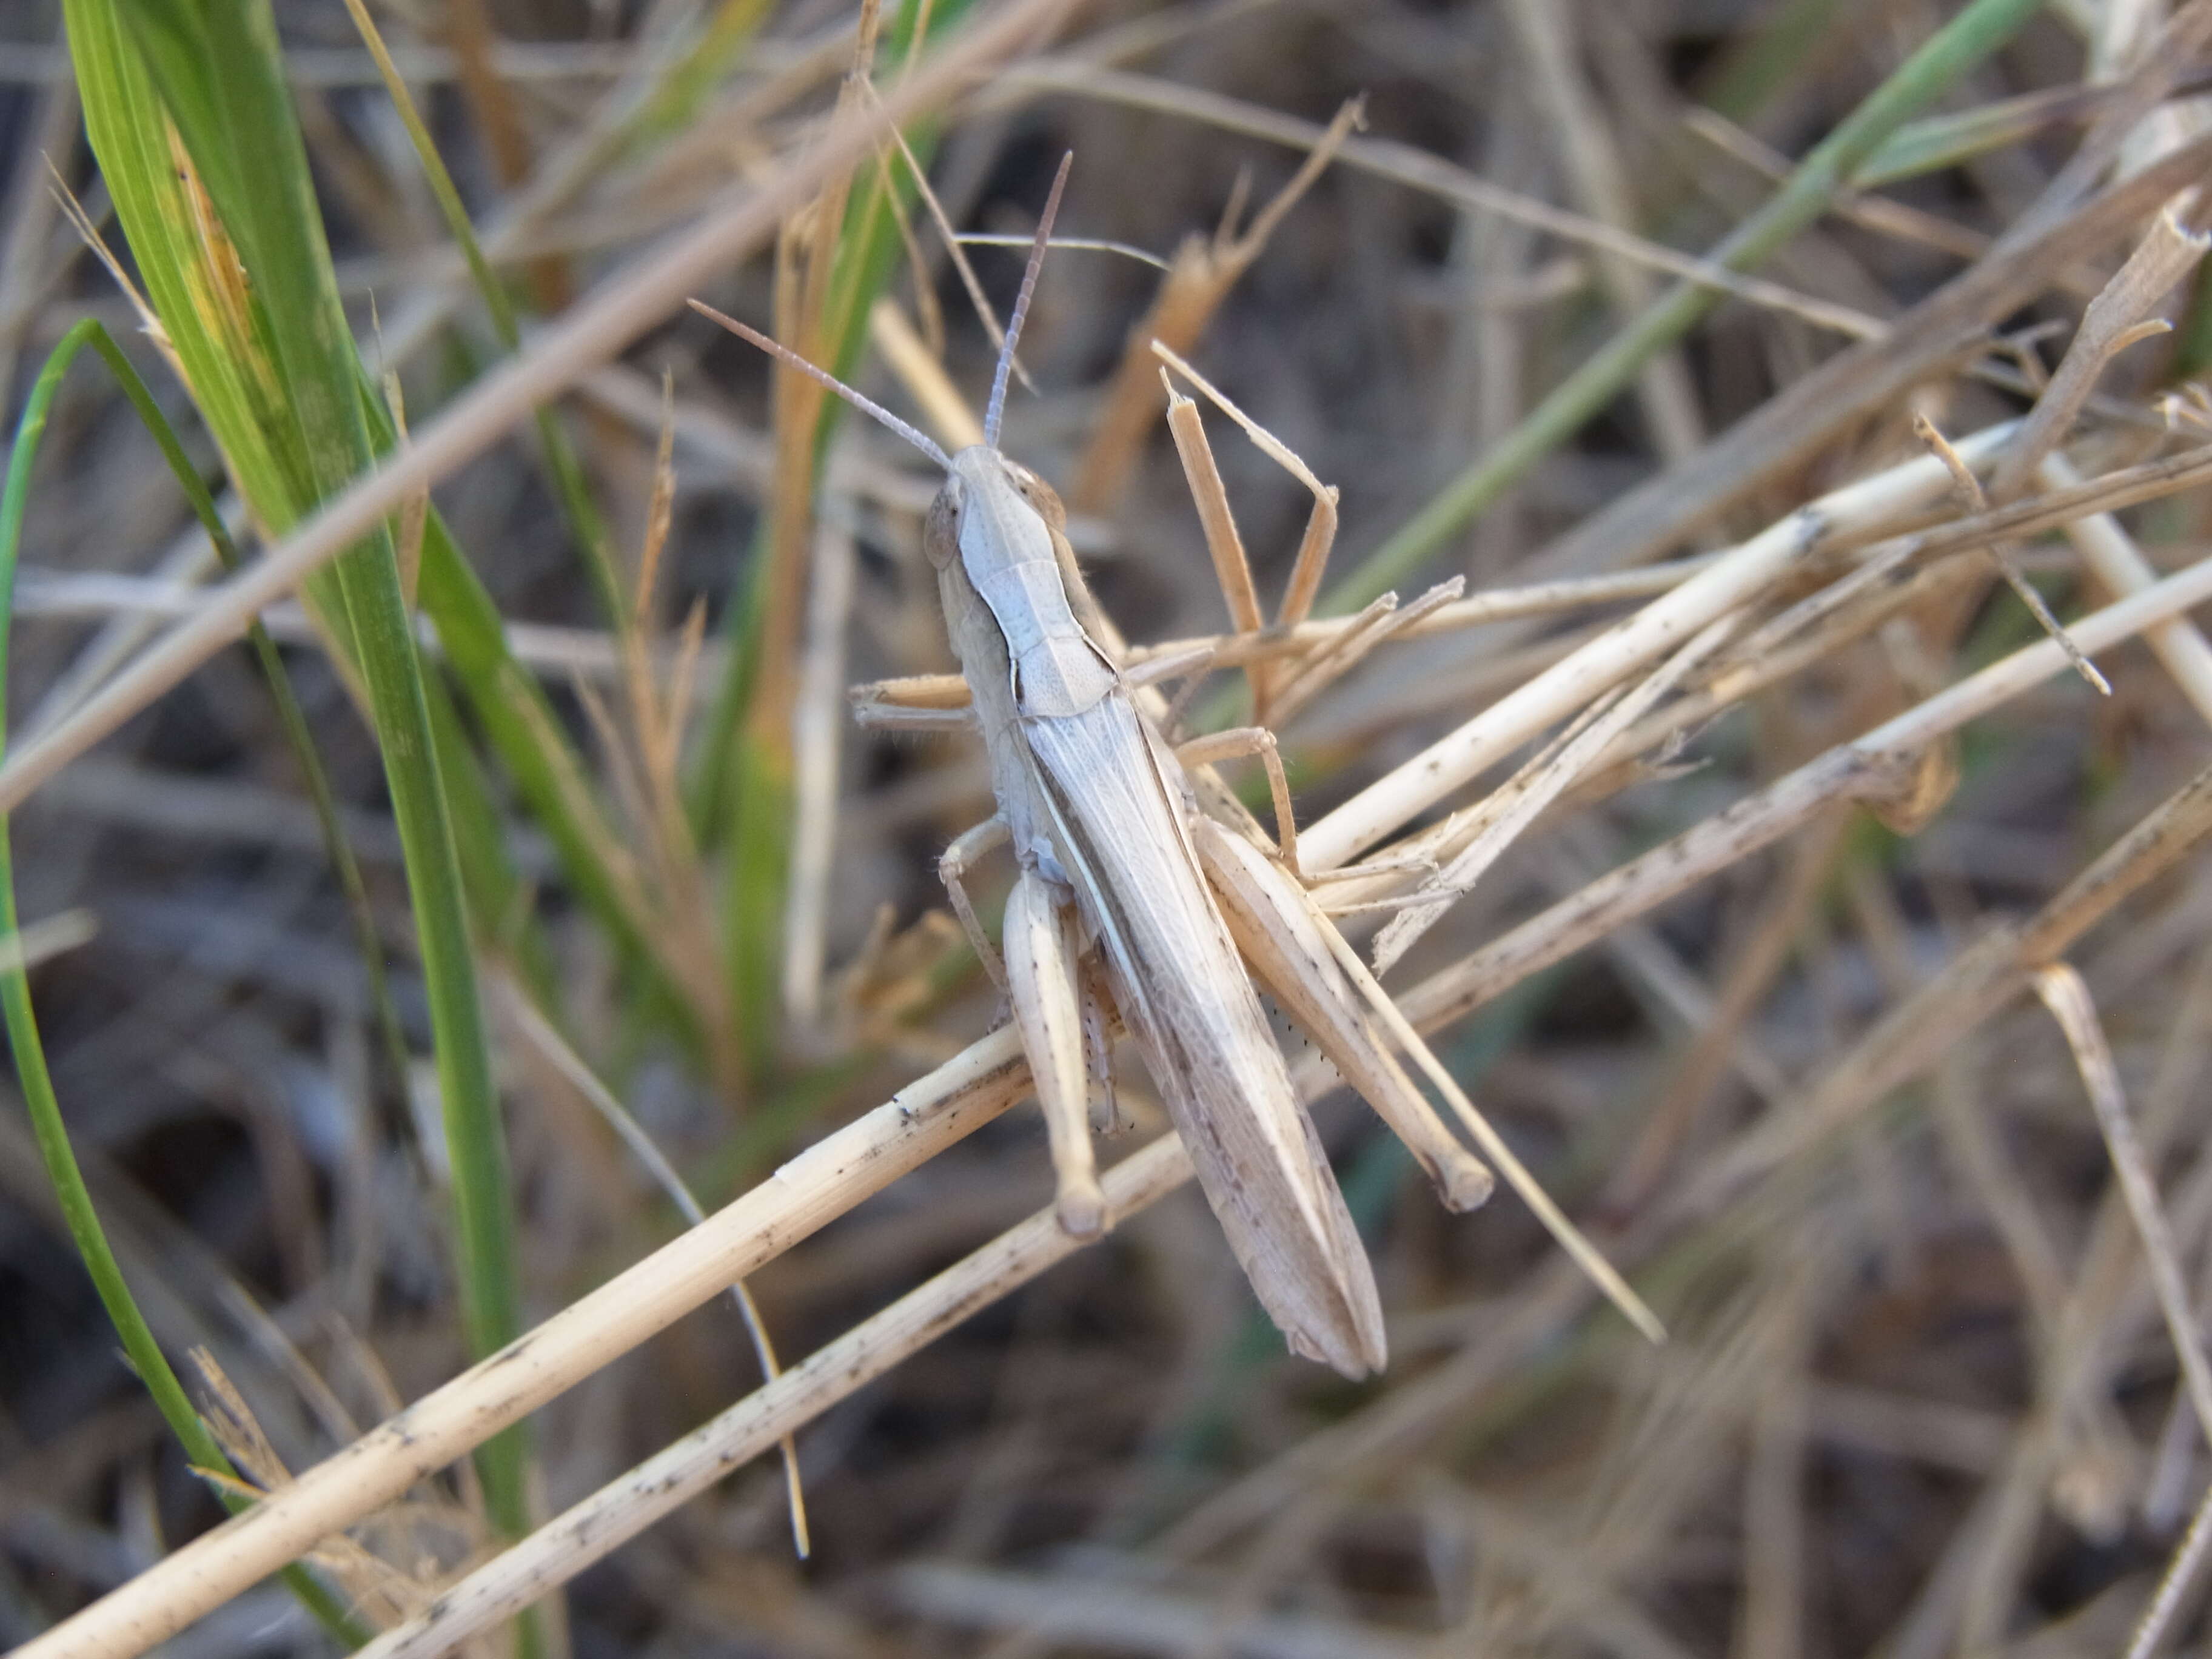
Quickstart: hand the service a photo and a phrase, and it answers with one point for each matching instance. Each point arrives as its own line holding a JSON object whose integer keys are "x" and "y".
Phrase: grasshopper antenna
{"x": 868, "y": 406}
{"x": 996, "y": 410}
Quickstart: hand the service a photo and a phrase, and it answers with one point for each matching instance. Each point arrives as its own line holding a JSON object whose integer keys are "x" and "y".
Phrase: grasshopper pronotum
{"x": 1115, "y": 855}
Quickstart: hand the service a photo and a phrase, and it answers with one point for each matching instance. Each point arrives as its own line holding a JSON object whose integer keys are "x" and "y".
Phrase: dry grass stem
{"x": 539, "y": 1033}
{"x": 1420, "y": 170}
{"x": 2068, "y": 998}
{"x": 1599, "y": 184}
{"x": 573, "y": 1540}
{"x": 969, "y": 282}
{"x": 2113, "y": 555}
{"x": 1659, "y": 627}
{"x": 818, "y": 725}
{"x": 2070, "y": 1004}
{"x": 44, "y": 941}
{"x": 2180, "y": 1576}
{"x": 947, "y": 411}
{"x": 1979, "y": 981}
{"x": 1529, "y": 797}
{"x": 2115, "y": 319}
{"x": 821, "y": 1183}
{"x": 558, "y": 652}
{"x": 1948, "y": 327}
{"x": 1870, "y": 769}
{"x": 1967, "y": 489}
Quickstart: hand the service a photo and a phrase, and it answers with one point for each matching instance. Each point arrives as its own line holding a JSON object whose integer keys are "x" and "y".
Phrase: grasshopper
{"x": 1118, "y": 865}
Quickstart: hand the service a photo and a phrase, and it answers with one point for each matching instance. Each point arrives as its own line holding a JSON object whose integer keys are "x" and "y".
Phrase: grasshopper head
{"x": 981, "y": 483}
{"x": 979, "y": 479}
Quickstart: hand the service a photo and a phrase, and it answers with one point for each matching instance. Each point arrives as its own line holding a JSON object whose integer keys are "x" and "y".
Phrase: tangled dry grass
{"x": 1789, "y": 829}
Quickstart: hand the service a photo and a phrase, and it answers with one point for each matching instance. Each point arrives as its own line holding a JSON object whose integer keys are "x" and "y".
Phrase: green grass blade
{"x": 1970, "y": 37}
{"x": 1937, "y": 141}
{"x": 43, "y": 1106}
{"x": 289, "y": 716}
{"x": 697, "y": 71}
{"x": 205, "y": 319}
{"x": 216, "y": 67}
{"x": 518, "y": 720}
{"x": 212, "y": 328}
{"x": 569, "y": 487}
{"x": 211, "y": 68}
{"x": 500, "y": 901}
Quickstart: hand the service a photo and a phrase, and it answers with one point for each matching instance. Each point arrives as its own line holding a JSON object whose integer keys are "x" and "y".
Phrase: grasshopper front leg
{"x": 1042, "y": 983}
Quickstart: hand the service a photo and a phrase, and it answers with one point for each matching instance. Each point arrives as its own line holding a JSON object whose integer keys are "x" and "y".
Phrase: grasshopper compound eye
{"x": 940, "y": 531}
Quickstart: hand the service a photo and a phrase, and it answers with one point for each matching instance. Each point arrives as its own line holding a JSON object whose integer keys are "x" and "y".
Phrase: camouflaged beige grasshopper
{"x": 1117, "y": 865}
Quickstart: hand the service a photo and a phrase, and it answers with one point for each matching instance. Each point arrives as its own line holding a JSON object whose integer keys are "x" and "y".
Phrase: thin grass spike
{"x": 995, "y": 411}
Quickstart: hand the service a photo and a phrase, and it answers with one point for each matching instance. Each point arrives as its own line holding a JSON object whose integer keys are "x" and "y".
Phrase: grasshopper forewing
{"x": 1102, "y": 820}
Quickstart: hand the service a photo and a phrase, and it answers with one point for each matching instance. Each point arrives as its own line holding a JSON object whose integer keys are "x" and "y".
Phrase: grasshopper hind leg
{"x": 1063, "y": 1030}
{"x": 1043, "y": 986}
{"x": 1279, "y": 929}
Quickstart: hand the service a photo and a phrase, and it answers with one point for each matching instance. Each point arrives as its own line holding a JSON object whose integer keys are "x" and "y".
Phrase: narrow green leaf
{"x": 290, "y": 716}
{"x": 569, "y": 487}
{"x": 24, "y": 1044}
{"x": 257, "y": 307}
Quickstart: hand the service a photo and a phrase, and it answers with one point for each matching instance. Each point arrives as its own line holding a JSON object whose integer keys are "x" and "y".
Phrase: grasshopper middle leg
{"x": 952, "y": 869}
{"x": 1242, "y": 740}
